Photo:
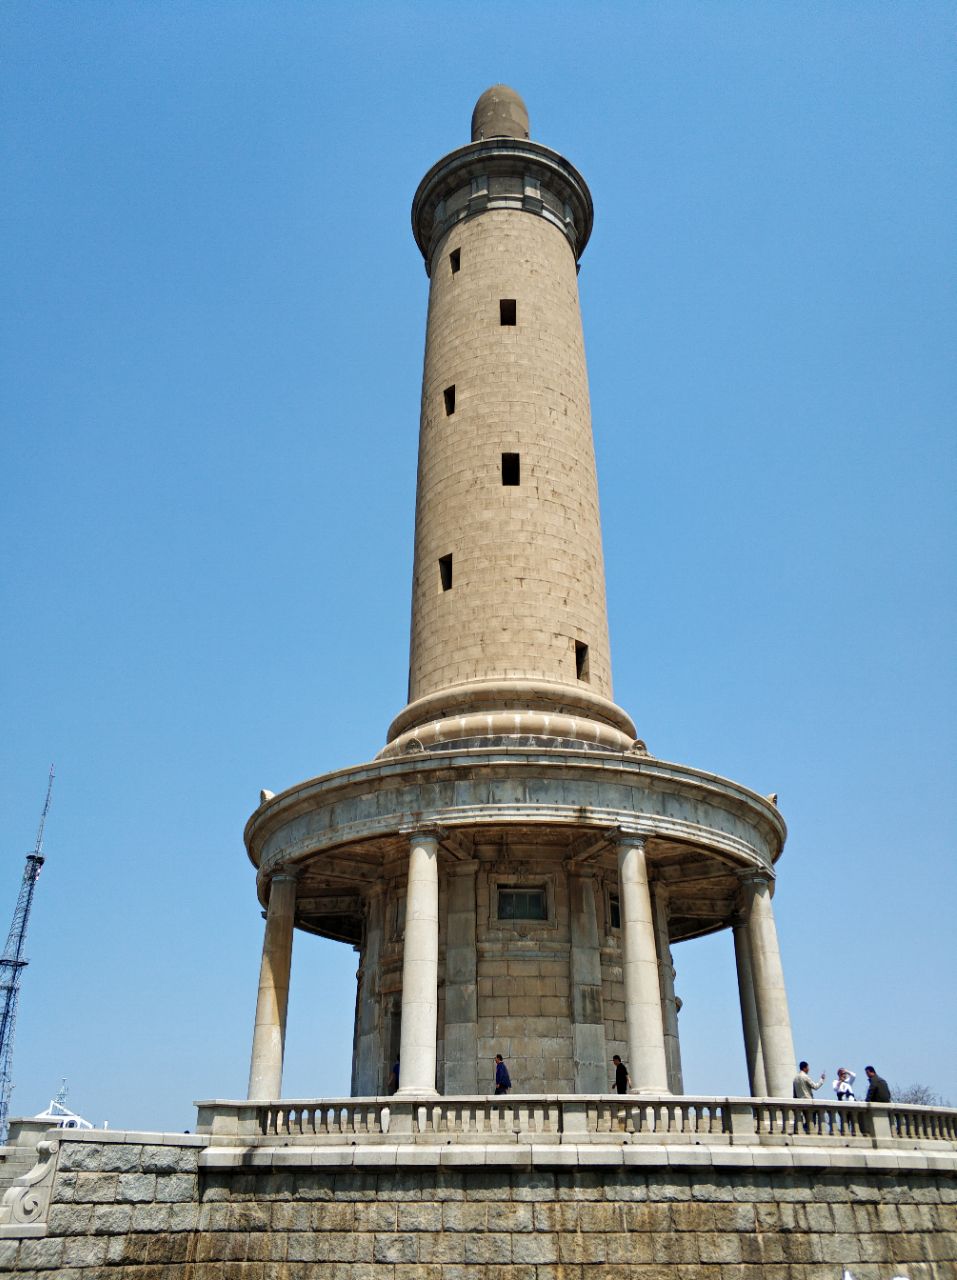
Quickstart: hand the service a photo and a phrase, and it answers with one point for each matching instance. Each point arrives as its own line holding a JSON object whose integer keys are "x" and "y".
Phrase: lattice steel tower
{"x": 13, "y": 963}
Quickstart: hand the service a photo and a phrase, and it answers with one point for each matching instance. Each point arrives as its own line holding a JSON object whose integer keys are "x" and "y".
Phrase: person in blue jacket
{"x": 503, "y": 1081}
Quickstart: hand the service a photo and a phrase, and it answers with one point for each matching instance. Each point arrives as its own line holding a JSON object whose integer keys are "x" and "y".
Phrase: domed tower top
{"x": 499, "y": 113}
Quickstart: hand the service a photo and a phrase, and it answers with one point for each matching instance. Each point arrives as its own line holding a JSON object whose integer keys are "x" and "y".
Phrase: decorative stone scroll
{"x": 23, "y": 1210}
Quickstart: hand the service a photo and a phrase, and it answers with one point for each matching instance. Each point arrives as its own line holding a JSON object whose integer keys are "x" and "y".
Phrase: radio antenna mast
{"x": 12, "y": 964}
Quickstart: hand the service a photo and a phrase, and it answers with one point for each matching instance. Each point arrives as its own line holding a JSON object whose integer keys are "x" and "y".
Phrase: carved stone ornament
{"x": 25, "y": 1203}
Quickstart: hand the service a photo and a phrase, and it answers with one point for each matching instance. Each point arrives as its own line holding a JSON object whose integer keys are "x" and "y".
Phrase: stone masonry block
{"x": 536, "y": 1247}
{"x": 395, "y": 1248}
{"x": 464, "y": 1217}
{"x": 839, "y": 1248}
{"x": 84, "y": 1251}
{"x": 110, "y": 1219}
{"x": 510, "y": 1217}
{"x": 253, "y": 1217}
{"x": 490, "y": 1248}
{"x": 442, "y": 1246}
{"x": 723, "y": 1249}
{"x": 83, "y": 1157}
{"x": 70, "y": 1219}
{"x": 693, "y": 1216}
{"x": 41, "y": 1255}
{"x": 96, "y": 1188}
{"x": 647, "y": 1217}
{"x": 169, "y": 1159}
{"x": 136, "y": 1186}
{"x": 150, "y": 1217}
{"x": 176, "y": 1186}
{"x": 734, "y": 1217}
{"x": 129, "y": 1250}
{"x": 420, "y": 1217}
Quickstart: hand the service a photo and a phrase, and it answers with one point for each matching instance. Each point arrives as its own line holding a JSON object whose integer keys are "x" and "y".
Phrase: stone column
{"x": 269, "y": 1036}
{"x": 666, "y": 981}
{"x": 588, "y": 1024}
{"x": 770, "y": 997}
{"x": 646, "y": 1043}
{"x": 420, "y": 968}
{"x": 461, "y": 982}
{"x": 368, "y": 1061}
{"x": 749, "y": 1011}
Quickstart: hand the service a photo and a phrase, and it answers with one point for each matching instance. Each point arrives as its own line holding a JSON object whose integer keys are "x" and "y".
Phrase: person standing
{"x": 843, "y": 1085}
{"x": 393, "y": 1084}
{"x": 503, "y": 1081}
{"x": 804, "y": 1086}
{"x": 622, "y": 1078}
{"x": 877, "y": 1087}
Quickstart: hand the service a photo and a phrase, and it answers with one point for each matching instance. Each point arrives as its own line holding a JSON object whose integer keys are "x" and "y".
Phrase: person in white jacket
{"x": 843, "y": 1086}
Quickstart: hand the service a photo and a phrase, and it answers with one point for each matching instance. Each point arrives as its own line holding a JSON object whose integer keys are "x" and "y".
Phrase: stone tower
{"x": 508, "y": 599}
{"x": 514, "y": 867}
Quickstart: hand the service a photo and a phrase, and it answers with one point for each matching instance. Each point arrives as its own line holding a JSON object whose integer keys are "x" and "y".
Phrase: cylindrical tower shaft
{"x": 509, "y": 625}
{"x": 507, "y": 490}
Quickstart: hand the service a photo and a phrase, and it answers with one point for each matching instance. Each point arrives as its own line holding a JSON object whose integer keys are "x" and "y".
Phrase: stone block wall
{"x": 504, "y": 987}
{"x": 142, "y": 1209}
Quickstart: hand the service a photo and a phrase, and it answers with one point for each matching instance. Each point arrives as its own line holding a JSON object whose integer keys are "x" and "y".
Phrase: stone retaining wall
{"x": 143, "y": 1207}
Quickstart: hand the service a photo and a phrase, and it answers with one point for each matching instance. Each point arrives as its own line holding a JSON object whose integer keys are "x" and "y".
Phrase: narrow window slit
{"x": 511, "y": 468}
{"x": 506, "y": 309}
{"x": 455, "y": 260}
{"x": 445, "y": 572}
{"x": 449, "y": 394}
{"x": 581, "y": 660}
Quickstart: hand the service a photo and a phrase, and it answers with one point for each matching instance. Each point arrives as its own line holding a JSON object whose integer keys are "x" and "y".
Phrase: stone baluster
{"x": 646, "y": 1043}
{"x": 420, "y": 968}
{"x": 269, "y": 1036}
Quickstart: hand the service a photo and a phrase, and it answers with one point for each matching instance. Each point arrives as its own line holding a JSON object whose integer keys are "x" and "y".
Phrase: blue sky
{"x": 212, "y": 336}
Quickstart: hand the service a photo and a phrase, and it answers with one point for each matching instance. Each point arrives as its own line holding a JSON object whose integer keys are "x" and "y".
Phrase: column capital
{"x": 629, "y": 839}
{"x": 419, "y": 834}
{"x": 285, "y": 873}
{"x": 282, "y": 873}
{"x": 756, "y": 876}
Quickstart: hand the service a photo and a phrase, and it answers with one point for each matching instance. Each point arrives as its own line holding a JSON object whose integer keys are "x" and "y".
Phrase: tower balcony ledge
{"x": 518, "y": 708}
{"x": 341, "y": 831}
{"x": 507, "y": 173}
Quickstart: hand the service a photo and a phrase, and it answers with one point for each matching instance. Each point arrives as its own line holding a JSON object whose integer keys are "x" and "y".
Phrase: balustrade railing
{"x": 932, "y": 1124}
{"x": 780, "y": 1117}
{"x": 579, "y": 1118}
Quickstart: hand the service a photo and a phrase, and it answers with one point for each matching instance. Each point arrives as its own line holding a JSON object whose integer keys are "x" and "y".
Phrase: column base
{"x": 413, "y": 1091}
{"x": 650, "y": 1093}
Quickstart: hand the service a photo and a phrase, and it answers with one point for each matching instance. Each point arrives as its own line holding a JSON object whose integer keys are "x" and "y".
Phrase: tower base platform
{"x": 529, "y": 1188}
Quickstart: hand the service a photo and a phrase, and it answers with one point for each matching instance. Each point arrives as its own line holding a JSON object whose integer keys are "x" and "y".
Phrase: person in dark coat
{"x": 877, "y": 1087}
{"x": 503, "y": 1081}
{"x": 621, "y": 1074}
